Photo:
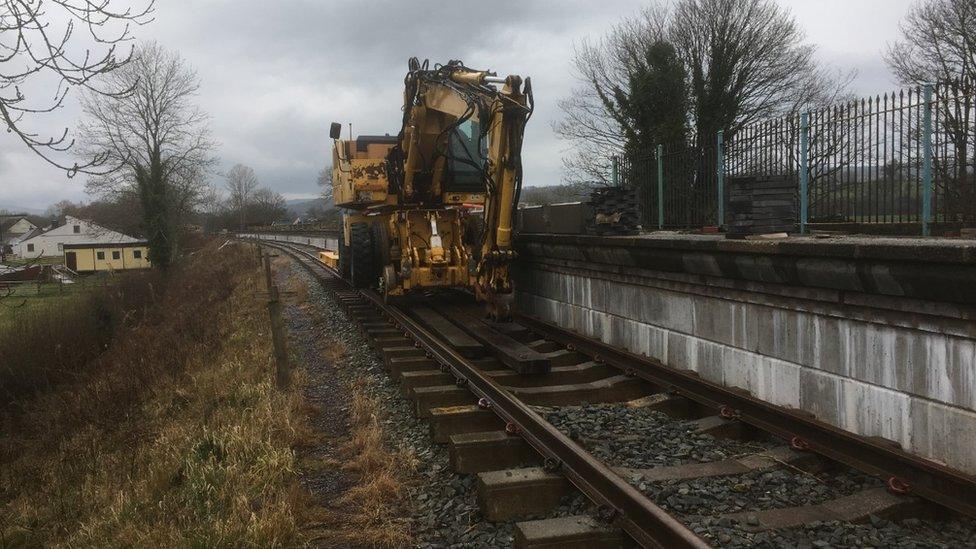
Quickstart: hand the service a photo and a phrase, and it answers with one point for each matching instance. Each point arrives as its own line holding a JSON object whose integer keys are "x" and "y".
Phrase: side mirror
{"x": 335, "y": 131}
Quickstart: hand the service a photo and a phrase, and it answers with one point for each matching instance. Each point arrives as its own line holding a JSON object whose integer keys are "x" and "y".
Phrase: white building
{"x": 15, "y": 225}
{"x": 51, "y": 243}
{"x": 13, "y": 228}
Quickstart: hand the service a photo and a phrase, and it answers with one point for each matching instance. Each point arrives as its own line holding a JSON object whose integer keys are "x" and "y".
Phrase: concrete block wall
{"x": 903, "y": 376}
{"x": 321, "y": 242}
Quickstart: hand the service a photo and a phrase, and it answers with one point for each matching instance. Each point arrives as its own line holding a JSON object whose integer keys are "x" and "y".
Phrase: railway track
{"x": 667, "y": 459}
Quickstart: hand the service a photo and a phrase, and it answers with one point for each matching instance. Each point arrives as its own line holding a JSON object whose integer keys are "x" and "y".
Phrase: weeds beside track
{"x": 169, "y": 434}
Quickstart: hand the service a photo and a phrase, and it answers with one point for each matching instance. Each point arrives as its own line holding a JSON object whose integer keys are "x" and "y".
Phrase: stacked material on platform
{"x": 568, "y": 218}
{"x": 761, "y": 205}
{"x": 615, "y": 211}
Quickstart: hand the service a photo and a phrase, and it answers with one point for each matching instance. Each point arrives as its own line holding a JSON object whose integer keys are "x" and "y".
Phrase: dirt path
{"x": 355, "y": 479}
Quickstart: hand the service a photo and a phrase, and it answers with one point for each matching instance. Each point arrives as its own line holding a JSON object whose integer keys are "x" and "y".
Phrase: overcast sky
{"x": 274, "y": 74}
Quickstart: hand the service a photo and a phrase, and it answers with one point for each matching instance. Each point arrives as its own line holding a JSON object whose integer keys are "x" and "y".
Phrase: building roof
{"x": 7, "y": 221}
{"x": 92, "y": 234}
{"x": 82, "y": 245}
{"x": 18, "y": 238}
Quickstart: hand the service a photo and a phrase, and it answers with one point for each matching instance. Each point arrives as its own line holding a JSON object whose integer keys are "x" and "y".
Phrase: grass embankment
{"x": 145, "y": 415}
{"x": 26, "y": 300}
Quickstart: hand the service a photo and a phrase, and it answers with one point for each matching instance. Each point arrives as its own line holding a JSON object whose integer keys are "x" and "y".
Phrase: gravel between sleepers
{"x": 629, "y": 436}
{"x": 445, "y": 510}
{"x": 876, "y": 533}
{"x": 754, "y": 491}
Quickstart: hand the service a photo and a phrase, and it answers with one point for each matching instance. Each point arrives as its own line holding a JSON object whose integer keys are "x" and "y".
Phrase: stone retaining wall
{"x": 322, "y": 242}
{"x": 866, "y": 359}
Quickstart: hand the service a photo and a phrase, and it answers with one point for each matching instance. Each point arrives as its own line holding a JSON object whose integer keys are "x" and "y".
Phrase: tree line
{"x": 144, "y": 144}
{"x": 241, "y": 202}
{"x": 678, "y": 73}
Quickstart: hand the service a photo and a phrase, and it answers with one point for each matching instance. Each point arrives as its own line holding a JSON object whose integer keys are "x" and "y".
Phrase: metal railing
{"x": 900, "y": 159}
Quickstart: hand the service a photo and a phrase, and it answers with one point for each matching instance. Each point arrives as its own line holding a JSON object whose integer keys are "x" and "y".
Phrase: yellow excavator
{"x": 433, "y": 207}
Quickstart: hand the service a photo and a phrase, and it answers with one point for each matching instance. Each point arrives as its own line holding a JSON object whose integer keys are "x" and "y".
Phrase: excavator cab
{"x": 466, "y": 161}
{"x": 433, "y": 206}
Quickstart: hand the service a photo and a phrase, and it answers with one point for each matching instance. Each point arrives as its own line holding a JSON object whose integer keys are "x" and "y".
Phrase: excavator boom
{"x": 458, "y": 151}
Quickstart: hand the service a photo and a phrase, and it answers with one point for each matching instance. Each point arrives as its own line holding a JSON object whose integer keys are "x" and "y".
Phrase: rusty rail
{"x": 903, "y": 472}
{"x": 623, "y": 504}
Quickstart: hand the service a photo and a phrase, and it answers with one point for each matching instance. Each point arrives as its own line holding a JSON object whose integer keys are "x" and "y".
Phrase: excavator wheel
{"x": 387, "y": 282}
{"x": 381, "y": 243}
{"x": 364, "y": 272}
{"x": 344, "y": 259}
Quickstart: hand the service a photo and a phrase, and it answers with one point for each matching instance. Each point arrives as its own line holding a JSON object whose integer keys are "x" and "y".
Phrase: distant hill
{"x": 555, "y": 194}
{"x": 299, "y": 207}
{"x": 14, "y": 209}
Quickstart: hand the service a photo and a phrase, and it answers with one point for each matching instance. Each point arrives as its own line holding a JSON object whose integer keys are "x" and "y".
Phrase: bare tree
{"x": 267, "y": 206}
{"x": 241, "y": 184}
{"x": 211, "y": 204}
{"x": 745, "y": 60}
{"x": 595, "y": 134}
{"x": 154, "y": 139}
{"x": 324, "y": 180}
{"x": 120, "y": 212}
{"x": 38, "y": 41}
{"x": 938, "y": 45}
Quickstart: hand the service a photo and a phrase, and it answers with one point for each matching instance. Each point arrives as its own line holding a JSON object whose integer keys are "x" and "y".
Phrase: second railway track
{"x": 668, "y": 460}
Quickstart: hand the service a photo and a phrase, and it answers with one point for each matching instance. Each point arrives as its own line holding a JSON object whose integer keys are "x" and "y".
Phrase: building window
{"x": 137, "y": 254}
{"x": 116, "y": 255}
{"x": 100, "y": 255}
{"x": 77, "y": 229}
{"x": 60, "y": 247}
{"x": 30, "y": 247}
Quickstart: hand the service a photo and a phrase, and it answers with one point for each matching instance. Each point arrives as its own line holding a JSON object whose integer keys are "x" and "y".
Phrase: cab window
{"x": 467, "y": 156}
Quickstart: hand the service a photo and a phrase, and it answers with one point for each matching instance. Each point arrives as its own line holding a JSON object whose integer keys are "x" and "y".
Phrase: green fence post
{"x": 804, "y": 171}
{"x": 615, "y": 170}
{"x": 927, "y": 161}
{"x": 660, "y": 187}
{"x": 720, "y": 176}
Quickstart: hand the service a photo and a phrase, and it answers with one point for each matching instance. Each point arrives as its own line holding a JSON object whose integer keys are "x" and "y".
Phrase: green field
{"x": 18, "y": 262}
{"x": 31, "y": 299}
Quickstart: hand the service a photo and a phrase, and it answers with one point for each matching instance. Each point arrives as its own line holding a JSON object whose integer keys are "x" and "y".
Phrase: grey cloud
{"x": 275, "y": 74}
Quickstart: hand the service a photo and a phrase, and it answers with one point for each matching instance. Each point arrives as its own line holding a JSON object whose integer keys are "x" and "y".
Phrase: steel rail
{"x": 647, "y": 523}
{"x": 625, "y": 506}
{"x": 904, "y": 472}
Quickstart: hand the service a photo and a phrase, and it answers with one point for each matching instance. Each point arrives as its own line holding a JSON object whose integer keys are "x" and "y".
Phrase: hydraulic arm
{"x": 452, "y": 181}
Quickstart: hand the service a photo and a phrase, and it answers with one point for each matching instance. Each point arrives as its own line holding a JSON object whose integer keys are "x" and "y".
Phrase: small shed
{"x": 99, "y": 256}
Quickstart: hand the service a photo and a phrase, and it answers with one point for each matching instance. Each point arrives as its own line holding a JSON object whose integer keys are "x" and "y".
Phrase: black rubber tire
{"x": 381, "y": 243}
{"x": 364, "y": 272}
{"x": 345, "y": 265}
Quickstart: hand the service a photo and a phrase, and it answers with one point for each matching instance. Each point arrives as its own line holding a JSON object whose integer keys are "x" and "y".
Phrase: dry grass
{"x": 371, "y": 512}
{"x": 173, "y": 436}
{"x": 52, "y": 338}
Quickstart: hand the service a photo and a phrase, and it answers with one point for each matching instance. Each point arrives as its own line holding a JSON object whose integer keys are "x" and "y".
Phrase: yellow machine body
{"x": 432, "y": 259}
{"x": 436, "y": 203}
{"x": 329, "y": 258}
{"x": 359, "y": 172}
